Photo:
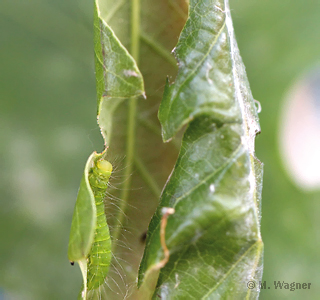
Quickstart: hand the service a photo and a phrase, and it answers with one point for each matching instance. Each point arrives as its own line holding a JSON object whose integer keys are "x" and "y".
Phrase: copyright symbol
{"x": 251, "y": 284}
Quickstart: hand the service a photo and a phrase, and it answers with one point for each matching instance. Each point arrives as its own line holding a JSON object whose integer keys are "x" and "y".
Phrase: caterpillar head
{"x": 100, "y": 173}
{"x": 104, "y": 168}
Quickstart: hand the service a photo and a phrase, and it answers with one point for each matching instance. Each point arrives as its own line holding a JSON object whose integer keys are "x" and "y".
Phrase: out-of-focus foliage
{"x": 48, "y": 129}
{"x": 299, "y": 134}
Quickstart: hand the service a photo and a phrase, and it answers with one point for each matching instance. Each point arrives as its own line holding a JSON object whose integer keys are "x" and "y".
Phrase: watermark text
{"x": 279, "y": 285}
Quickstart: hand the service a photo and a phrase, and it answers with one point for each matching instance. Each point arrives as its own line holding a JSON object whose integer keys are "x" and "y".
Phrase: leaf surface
{"x": 84, "y": 219}
{"x": 117, "y": 74}
{"x": 214, "y": 236}
{"x": 129, "y": 44}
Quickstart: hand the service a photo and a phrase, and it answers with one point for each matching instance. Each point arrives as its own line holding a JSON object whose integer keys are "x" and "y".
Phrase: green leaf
{"x": 214, "y": 186}
{"x": 214, "y": 236}
{"x": 127, "y": 34}
{"x": 83, "y": 224}
{"x": 89, "y": 243}
{"x": 117, "y": 74}
{"x": 118, "y": 78}
{"x": 84, "y": 218}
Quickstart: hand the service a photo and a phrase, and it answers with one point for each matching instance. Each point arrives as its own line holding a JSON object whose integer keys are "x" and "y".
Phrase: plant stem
{"x": 135, "y": 29}
{"x": 131, "y": 125}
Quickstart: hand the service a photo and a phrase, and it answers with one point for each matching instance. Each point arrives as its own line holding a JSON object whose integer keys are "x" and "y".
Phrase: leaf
{"x": 127, "y": 34}
{"x": 214, "y": 236}
{"x": 83, "y": 223}
{"x": 84, "y": 219}
{"x": 117, "y": 74}
{"x": 89, "y": 243}
{"x": 213, "y": 186}
{"x": 118, "y": 78}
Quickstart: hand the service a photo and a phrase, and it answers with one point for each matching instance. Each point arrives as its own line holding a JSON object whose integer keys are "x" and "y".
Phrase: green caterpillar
{"x": 100, "y": 254}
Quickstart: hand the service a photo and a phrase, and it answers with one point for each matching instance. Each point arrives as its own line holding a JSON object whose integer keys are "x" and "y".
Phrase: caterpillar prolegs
{"x": 100, "y": 254}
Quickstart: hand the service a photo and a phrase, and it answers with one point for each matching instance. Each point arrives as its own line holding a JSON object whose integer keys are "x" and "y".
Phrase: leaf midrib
{"x": 234, "y": 154}
{"x": 256, "y": 243}
{"x": 191, "y": 74}
{"x": 131, "y": 125}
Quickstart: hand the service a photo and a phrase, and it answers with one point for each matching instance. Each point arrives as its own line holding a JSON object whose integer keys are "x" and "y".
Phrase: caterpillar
{"x": 100, "y": 254}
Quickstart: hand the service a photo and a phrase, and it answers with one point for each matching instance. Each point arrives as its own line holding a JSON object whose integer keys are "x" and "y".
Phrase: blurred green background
{"x": 48, "y": 129}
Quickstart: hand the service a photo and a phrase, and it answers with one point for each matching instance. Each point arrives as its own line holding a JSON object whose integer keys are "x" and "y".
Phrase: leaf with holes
{"x": 133, "y": 52}
{"x": 210, "y": 247}
{"x": 124, "y": 31}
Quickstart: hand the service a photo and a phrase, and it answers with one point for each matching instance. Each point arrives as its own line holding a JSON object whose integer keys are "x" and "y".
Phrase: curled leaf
{"x": 214, "y": 236}
{"x": 84, "y": 218}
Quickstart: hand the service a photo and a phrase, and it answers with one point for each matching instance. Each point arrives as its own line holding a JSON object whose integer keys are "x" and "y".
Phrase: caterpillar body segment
{"x": 100, "y": 254}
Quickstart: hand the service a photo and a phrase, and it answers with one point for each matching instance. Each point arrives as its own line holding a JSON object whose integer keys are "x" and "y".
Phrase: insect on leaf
{"x": 117, "y": 78}
{"x": 148, "y": 31}
{"x": 83, "y": 224}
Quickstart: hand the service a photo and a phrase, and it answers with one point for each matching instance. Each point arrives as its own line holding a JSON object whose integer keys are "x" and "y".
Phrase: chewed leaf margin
{"x": 117, "y": 74}
{"x": 215, "y": 188}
